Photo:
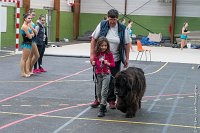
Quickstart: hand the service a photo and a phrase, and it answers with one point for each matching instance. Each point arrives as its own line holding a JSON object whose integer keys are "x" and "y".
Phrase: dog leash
{"x": 95, "y": 81}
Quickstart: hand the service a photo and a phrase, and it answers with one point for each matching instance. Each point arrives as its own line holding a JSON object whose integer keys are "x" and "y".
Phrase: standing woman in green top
{"x": 184, "y": 33}
{"x": 26, "y": 46}
{"x": 34, "y": 52}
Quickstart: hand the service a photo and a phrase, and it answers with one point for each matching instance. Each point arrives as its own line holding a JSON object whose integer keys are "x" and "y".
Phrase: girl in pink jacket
{"x": 103, "y": 60}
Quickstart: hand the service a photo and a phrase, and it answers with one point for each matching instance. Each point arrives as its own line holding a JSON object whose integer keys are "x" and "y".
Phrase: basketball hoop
{"x": 70, "y": 3}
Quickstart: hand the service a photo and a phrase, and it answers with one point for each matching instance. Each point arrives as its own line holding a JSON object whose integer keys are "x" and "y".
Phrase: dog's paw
{"x": 123, "y": 110}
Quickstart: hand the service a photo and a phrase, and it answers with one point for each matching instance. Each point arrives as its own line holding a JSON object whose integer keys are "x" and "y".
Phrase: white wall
{"x": 154, "y": 7}
{"x": 148, "y": 7}
{"x": 64, "y": 6}
{"x": 3, "y": 19}
{"x": 100, "y": 6}
{"x": 40, "y": 4}
{"x": 188, "y": 8}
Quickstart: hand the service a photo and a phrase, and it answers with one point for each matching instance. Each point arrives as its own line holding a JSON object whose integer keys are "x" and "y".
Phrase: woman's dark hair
{"x": 41, "y": 16}
{"x": 129, "y": 21}
{"x": 113, "y": 13}
{"x": 100, "y": 41}
{"x": 122, "y": 19}
{"x": 105, "y": 18}
{"x": 26, "y": 15}
{"x": 31, "y": 11}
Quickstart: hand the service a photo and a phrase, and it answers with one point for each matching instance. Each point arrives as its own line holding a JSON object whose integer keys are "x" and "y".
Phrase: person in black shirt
{"x": 41, "y": 43}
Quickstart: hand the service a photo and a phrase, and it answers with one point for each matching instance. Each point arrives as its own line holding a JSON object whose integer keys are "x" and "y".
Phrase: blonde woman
{"x": 34, "y": 52}
{"x": 26, "y": 46}
{"x": 129, "y": 28}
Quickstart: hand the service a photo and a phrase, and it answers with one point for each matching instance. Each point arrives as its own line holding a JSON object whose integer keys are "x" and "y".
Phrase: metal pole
{"x": 17, "y": 25}
{"x": 125, "y": 7}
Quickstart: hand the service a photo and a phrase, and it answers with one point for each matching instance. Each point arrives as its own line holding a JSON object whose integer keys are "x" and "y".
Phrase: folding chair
{"x": 140, "y": 49}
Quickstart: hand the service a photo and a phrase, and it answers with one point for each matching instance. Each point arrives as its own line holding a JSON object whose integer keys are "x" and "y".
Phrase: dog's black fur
{"x": 130, "y": 86}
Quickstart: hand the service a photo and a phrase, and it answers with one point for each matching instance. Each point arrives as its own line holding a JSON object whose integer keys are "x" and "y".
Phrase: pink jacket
{"x": 100, "y": 66}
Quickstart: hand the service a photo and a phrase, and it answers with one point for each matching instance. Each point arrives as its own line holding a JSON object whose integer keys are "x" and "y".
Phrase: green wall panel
{"x": 66, "y": 25}
{"x": 154, "y": 23}
{"x": 88, "y": 22}
{"x": 194, "y": 23}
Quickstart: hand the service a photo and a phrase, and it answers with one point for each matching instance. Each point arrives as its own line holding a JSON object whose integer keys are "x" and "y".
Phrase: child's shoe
{"x": 95, "y": 104}
{"x": 102, "y": 110}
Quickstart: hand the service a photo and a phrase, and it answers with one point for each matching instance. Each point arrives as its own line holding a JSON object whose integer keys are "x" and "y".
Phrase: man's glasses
{"x": 43, "y": 20}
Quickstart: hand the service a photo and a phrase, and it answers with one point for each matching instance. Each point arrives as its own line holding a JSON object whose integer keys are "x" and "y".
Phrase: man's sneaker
{"x": 112, "y": 105}
{"x": 36, "y": 71}
{"x": 95, "y": 104}
{"x": 42, "y": 70}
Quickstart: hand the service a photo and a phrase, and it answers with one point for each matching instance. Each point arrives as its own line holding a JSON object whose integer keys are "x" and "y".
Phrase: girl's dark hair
{"x": 100, "y": 41}
{"x": 26, "y": 15}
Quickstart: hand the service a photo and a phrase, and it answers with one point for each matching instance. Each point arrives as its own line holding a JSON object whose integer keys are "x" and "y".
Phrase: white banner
{"x": 3, "y": 19}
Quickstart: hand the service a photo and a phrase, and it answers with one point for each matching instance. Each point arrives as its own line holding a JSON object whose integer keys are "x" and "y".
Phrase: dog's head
{"x": 122, "y": 84}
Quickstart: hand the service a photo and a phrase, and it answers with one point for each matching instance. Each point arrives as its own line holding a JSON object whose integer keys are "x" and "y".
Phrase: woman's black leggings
{"x": 41, "y": 49}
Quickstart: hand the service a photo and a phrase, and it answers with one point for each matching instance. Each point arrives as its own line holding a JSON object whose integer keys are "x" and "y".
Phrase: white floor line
{"x": 71, "y": 120}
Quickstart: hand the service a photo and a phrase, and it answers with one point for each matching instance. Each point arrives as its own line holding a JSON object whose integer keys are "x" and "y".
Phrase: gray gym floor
{"x": 58, "y": 100}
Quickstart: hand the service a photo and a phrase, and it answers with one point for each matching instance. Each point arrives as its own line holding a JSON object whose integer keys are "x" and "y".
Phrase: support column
{"x": 76, "y": 18}
{"x": 125, "y": 8}
{"x": 57, "y": 8}
{"x": 173, "y": 20}
{"x": 26, "y": 5}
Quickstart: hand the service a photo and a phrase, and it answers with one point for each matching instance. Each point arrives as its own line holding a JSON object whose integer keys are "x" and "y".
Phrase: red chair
{"x": 140, "y": 49}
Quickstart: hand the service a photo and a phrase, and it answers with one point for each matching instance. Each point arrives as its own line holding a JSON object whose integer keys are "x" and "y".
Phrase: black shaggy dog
{"x": 130, "y": 85}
